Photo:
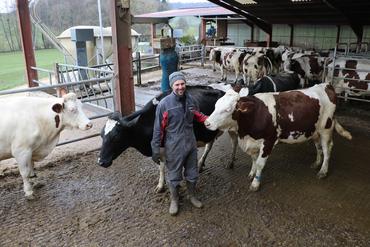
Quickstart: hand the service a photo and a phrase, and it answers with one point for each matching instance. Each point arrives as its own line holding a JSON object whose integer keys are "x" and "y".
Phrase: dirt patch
{"x": 82, "y": 204}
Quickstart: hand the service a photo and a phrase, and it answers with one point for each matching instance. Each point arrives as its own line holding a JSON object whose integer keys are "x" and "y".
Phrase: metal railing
{"x": 191, "y": 53}
{"x": 333, "y": 72}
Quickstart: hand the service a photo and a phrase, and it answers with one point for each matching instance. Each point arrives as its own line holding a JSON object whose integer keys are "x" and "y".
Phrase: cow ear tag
{"x": 57, "y": 108}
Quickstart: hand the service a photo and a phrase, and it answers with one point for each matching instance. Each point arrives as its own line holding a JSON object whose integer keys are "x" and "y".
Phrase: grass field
{"x": 12, "y": 67}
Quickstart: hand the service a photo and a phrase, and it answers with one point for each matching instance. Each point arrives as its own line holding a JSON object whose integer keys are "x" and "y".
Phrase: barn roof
{"x": 206, "y": 11}
{"x": 264, "y": 13}
{"x": 336, "y": 12}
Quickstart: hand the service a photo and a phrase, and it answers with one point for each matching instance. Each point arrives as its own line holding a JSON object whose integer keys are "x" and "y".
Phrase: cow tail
{"x": 341, "y": 131}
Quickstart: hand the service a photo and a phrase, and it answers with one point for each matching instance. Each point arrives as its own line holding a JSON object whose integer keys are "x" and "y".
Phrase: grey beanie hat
{"x": 175, "y": 76}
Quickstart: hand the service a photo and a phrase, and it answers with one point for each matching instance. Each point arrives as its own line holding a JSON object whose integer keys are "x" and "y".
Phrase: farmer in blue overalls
{"x": 173, "y": 130}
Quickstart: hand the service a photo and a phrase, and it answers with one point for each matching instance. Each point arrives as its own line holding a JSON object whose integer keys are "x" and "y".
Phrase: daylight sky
{"x": 5, "y": 5}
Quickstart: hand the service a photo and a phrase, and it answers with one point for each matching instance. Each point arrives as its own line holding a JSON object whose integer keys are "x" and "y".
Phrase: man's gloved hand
{"x": 156, "y": 158}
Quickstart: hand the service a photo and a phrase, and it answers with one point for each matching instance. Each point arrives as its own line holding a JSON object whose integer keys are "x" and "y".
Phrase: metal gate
{"x": 358, "y": 52}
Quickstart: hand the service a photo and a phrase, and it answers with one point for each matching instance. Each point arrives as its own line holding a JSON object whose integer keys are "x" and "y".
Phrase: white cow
{"x": 30, "y": 128}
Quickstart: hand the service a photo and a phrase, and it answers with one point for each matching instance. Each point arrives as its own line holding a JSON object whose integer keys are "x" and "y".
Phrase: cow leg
{"x": 245, "y": 79}
{"x": 253, "y": 168}
{"x": 160, "y": 186}
{"x": 24, "y": 160}
{"x": 222, "y": 72}
{"x": 260, "y": 164}
{"x": 236, "y": 76}
{"x": 32, "y": 171}
{"x": 319, "y": 154}
{"x": 202, "y": 159}
{"x": 234, "y": 143}
{"x": 327, "y": 145}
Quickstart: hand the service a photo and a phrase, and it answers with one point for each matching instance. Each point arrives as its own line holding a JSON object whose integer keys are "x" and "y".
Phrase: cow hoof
{"x": 314, "y": 165}
{"x": 200, "y": 170}
{"x": 33, "y": 175}
{"x": 253, "y": 188}
{"x": 30, "y": 197}
{"x": 230, "y": 165}
{"x": 321, "y": 175}
{"x": 159, "y": 189}
{"x": 38, "y": 184}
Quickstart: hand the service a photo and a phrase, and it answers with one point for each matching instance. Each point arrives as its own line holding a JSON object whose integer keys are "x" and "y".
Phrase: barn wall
{"x": 238, "y": 33}
{"x": 321, "y": 37}
{"x": 281, "y": 34}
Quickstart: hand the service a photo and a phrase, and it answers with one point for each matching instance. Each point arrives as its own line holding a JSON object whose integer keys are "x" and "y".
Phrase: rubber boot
{"x": 174, "y": 196}
{"x": 191, "y": 191}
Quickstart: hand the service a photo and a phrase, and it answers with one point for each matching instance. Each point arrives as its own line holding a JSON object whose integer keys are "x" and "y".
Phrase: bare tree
{"x": 6, "y": 35}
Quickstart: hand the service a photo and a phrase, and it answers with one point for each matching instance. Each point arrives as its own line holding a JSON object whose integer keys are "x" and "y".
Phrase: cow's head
{"x": 71, "y": 113}
{"x": 115, "y": 138}
{"x": 221, "y": 117}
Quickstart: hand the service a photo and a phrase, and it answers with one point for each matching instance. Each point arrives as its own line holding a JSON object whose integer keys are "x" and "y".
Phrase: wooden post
{"x": 122, "y": 56}
{"x": 291, "y": 41}
{"x": 202, "y": 34}
{"x": 268, "y": 39}
{"x": 252, "y": 33}
{"x": 25, "y": 30}
{"x": 338, "y": 34}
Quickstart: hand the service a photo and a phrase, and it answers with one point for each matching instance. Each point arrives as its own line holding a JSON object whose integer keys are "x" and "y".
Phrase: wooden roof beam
{"x": 147, "y": 20}
{"x": 357, "y": 28}
{"x": 240, "y": 9}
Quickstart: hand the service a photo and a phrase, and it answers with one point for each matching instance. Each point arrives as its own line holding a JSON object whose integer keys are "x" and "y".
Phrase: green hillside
{"x": 12, "y": 72}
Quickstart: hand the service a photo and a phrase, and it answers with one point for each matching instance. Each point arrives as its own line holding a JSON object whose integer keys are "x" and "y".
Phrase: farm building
{"x": 100, "y": 187}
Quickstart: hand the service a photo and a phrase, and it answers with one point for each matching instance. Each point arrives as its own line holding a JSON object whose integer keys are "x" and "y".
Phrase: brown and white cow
{"x": 265, "y": 119}
{"x": 30, "y": 128}
{"x": 350, "y": 76}
{"x": 289, "y": 55}
{"x": 310, "y": 68}
{"x": 228, "y": 60}
{"x": 262, "y": 62}
{"x": 216, "y": 55}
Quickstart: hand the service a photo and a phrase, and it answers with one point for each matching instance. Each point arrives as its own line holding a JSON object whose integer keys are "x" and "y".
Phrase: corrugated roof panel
{"x": 212, "y": 11}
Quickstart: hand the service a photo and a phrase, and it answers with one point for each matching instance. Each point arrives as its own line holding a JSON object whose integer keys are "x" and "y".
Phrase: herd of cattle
{"x": 311, "y": 67}
{"x": 288, "y": 107}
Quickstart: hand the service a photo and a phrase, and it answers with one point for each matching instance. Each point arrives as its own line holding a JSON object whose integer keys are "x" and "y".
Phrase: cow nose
{"x": 206, "y": 123}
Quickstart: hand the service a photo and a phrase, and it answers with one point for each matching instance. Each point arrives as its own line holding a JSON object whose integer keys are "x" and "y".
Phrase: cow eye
{"x": 255, "y": 66}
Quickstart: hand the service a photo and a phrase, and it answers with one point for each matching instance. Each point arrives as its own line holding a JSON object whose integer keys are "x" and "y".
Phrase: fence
{"x": 352, "y": 51}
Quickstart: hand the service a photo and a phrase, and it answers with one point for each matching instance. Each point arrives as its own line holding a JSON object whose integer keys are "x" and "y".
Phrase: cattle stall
{"x": 82, "y": 204}
{"x": 349, "y": 71}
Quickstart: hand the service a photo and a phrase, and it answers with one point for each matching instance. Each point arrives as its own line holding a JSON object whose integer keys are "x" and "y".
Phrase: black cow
{"x": 136, "y": 130}
{"x": 275, "y": 83}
